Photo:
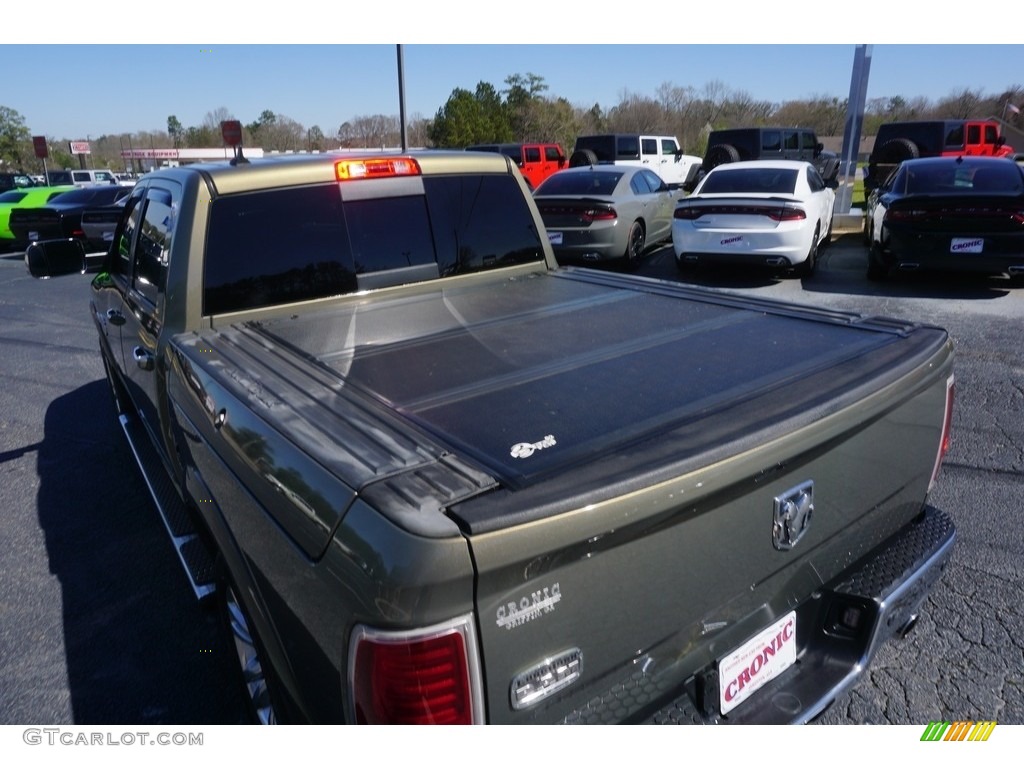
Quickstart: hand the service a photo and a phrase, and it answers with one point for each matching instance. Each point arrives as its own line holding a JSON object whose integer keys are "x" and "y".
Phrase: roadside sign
{"x": 231, "y": 130}
{"x": 80, "y": 148}
{"x": 39, "y": 145}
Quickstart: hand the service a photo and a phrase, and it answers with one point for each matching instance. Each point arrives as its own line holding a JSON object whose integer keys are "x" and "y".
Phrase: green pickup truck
{"x": 427, "y": 475}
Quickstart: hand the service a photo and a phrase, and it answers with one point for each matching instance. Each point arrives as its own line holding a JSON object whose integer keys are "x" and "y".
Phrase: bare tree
{"x": 961, "y": 104}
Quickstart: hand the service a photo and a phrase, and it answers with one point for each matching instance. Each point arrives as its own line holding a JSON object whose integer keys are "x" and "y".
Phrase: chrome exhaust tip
{"x": 777, "y": 261}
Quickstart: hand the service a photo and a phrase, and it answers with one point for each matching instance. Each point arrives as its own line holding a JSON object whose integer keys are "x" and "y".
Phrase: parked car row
{"x": 962, "y": 212}
{"x": 31, "y": 214}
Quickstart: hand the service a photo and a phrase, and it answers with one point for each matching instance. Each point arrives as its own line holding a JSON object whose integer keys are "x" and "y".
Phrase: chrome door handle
{"x": 114, "y": 317}
{"x": 143, "y": 359}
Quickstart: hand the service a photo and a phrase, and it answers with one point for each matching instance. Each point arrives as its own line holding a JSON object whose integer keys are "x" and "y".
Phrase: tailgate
{"x": 640, "y": 588}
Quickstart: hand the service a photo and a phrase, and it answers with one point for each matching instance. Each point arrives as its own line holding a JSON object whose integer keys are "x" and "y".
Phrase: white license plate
{"x": 555, "y": 238}
{"x": 108, "y": 237}
{"x": 966, "y": 245}
{"x": 33, "y": 236}
{"x": 762, "y": 658}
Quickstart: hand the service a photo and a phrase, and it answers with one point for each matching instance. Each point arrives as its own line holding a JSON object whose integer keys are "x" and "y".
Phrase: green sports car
{"x": 24, "y": 197}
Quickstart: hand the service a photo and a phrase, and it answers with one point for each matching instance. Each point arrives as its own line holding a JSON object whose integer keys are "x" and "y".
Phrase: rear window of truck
{"x": 295, "y": 244}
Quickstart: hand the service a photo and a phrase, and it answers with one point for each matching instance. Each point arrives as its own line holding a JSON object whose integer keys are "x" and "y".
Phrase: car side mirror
{"x": 54, "y": 258}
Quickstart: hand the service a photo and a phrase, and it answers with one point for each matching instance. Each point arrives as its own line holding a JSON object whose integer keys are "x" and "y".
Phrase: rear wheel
{"x": 811, "y": 262}
{"x": 251, "y": 660}
{"x": 634, "y": 245}
{"x": 898, "y": 150}
{"x": 877, "y": 271}
{"x": 582, "y": 157}
{"x": 720, "y": 154}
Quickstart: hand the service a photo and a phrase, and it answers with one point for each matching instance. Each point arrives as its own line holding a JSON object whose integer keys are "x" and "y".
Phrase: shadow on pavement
{"x": 139, "y": 648}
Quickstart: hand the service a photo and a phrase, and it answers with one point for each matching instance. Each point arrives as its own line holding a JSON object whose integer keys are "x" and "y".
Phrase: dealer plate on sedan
{"x": 759, "y": 660}
{"x": 966, "y": 245}
{"x": 33, "y": 236}
{"x": 555, "y": 238}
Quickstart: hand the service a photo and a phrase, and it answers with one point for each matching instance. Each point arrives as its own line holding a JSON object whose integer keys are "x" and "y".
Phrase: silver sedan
{"x": 600, "y": 214}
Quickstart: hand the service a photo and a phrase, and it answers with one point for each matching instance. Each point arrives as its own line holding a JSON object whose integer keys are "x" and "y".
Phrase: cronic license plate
{"x": 33, "y": 236}
{"x": 555, "y": 238}
{"x": 759, "y": 660}
{"x": 966, "y": 245}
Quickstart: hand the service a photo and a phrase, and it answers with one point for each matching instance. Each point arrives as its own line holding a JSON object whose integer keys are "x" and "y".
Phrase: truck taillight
{"x": 428, "y": 676}
{"x": 945, "y": 439}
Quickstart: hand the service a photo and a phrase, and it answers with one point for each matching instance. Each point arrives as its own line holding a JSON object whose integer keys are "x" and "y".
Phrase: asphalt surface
{"x": 98, "y": 625}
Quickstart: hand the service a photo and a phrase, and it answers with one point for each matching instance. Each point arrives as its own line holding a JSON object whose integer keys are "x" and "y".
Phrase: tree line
{"x": 522, "y": 111}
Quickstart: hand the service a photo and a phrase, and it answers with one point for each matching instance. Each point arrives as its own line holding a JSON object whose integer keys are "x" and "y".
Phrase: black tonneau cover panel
{"x": 538, "y": 374}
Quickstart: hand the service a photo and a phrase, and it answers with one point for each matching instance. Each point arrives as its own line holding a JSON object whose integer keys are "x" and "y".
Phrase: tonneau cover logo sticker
{"x": 529, "y": 607}
{"x": 525, "y": 450}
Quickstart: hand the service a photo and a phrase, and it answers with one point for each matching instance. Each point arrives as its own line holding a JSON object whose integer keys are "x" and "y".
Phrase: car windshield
{"x": 589, "y": 183}
{"x": 760, "y": 180}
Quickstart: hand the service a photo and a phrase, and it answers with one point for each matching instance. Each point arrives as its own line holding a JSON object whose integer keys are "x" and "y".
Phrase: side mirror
{"x": 53, "y": 258}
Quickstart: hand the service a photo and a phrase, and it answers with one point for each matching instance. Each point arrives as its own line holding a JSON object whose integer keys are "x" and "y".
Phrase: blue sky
{"x": 81, "y": 91}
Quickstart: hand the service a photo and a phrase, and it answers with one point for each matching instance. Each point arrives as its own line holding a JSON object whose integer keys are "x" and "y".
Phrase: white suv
{"x": 660, "y": 154}
{"x": 82, "y": 178}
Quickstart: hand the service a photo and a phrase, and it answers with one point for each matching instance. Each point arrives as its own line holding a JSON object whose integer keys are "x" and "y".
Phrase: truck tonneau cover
{"x": 576, "y": 366}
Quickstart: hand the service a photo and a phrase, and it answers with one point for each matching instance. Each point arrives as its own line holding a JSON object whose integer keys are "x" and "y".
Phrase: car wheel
{"x": 877, "y": 271}
{"x": 720, "y": 154}
{"x": 634, "y": 246}
{"x": 251, "y": 664}
{"x": 898, "y": 150}
{"x": 811, "y": 262}
{"x": 582, "y": 157}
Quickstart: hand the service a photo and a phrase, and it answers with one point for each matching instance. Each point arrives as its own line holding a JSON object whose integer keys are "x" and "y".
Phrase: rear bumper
{"x": 840, "y": 629}
{"x": 1003, "y": 254}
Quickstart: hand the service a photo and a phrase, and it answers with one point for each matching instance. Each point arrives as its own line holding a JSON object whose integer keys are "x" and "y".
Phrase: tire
{"x": 635, "y": 245}
{"x": 806, "y": 269}
{"x": 898, "y": 150}
{"x": 720, "y": 154}
{"x": 877, "y": 271}
{"x": 251, "y": 667}
{"x": 582, "y": 157}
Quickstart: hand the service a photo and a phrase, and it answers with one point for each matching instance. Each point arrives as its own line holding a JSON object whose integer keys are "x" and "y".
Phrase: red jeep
{"x": 536, "y": 161}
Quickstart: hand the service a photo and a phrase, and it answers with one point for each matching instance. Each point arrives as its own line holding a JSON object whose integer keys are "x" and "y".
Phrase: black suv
{"x": 734, "y": 144}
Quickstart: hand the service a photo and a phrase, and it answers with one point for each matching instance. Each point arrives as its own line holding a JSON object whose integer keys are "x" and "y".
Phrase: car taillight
{"x": 786, "y": 214}
{"x": 591, "y": 215}
{"x": 428, "y": 676}
{"x": 945, "y": 438}
{"x": 376, "y": 168}
{"x": 687, "y": 213}
{"x": 1017, "y": 217}
{"x": 904, "y": 214}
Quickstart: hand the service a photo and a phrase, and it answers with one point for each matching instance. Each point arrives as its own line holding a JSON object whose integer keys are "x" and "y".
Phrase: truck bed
{"x": 611, "y": 448}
